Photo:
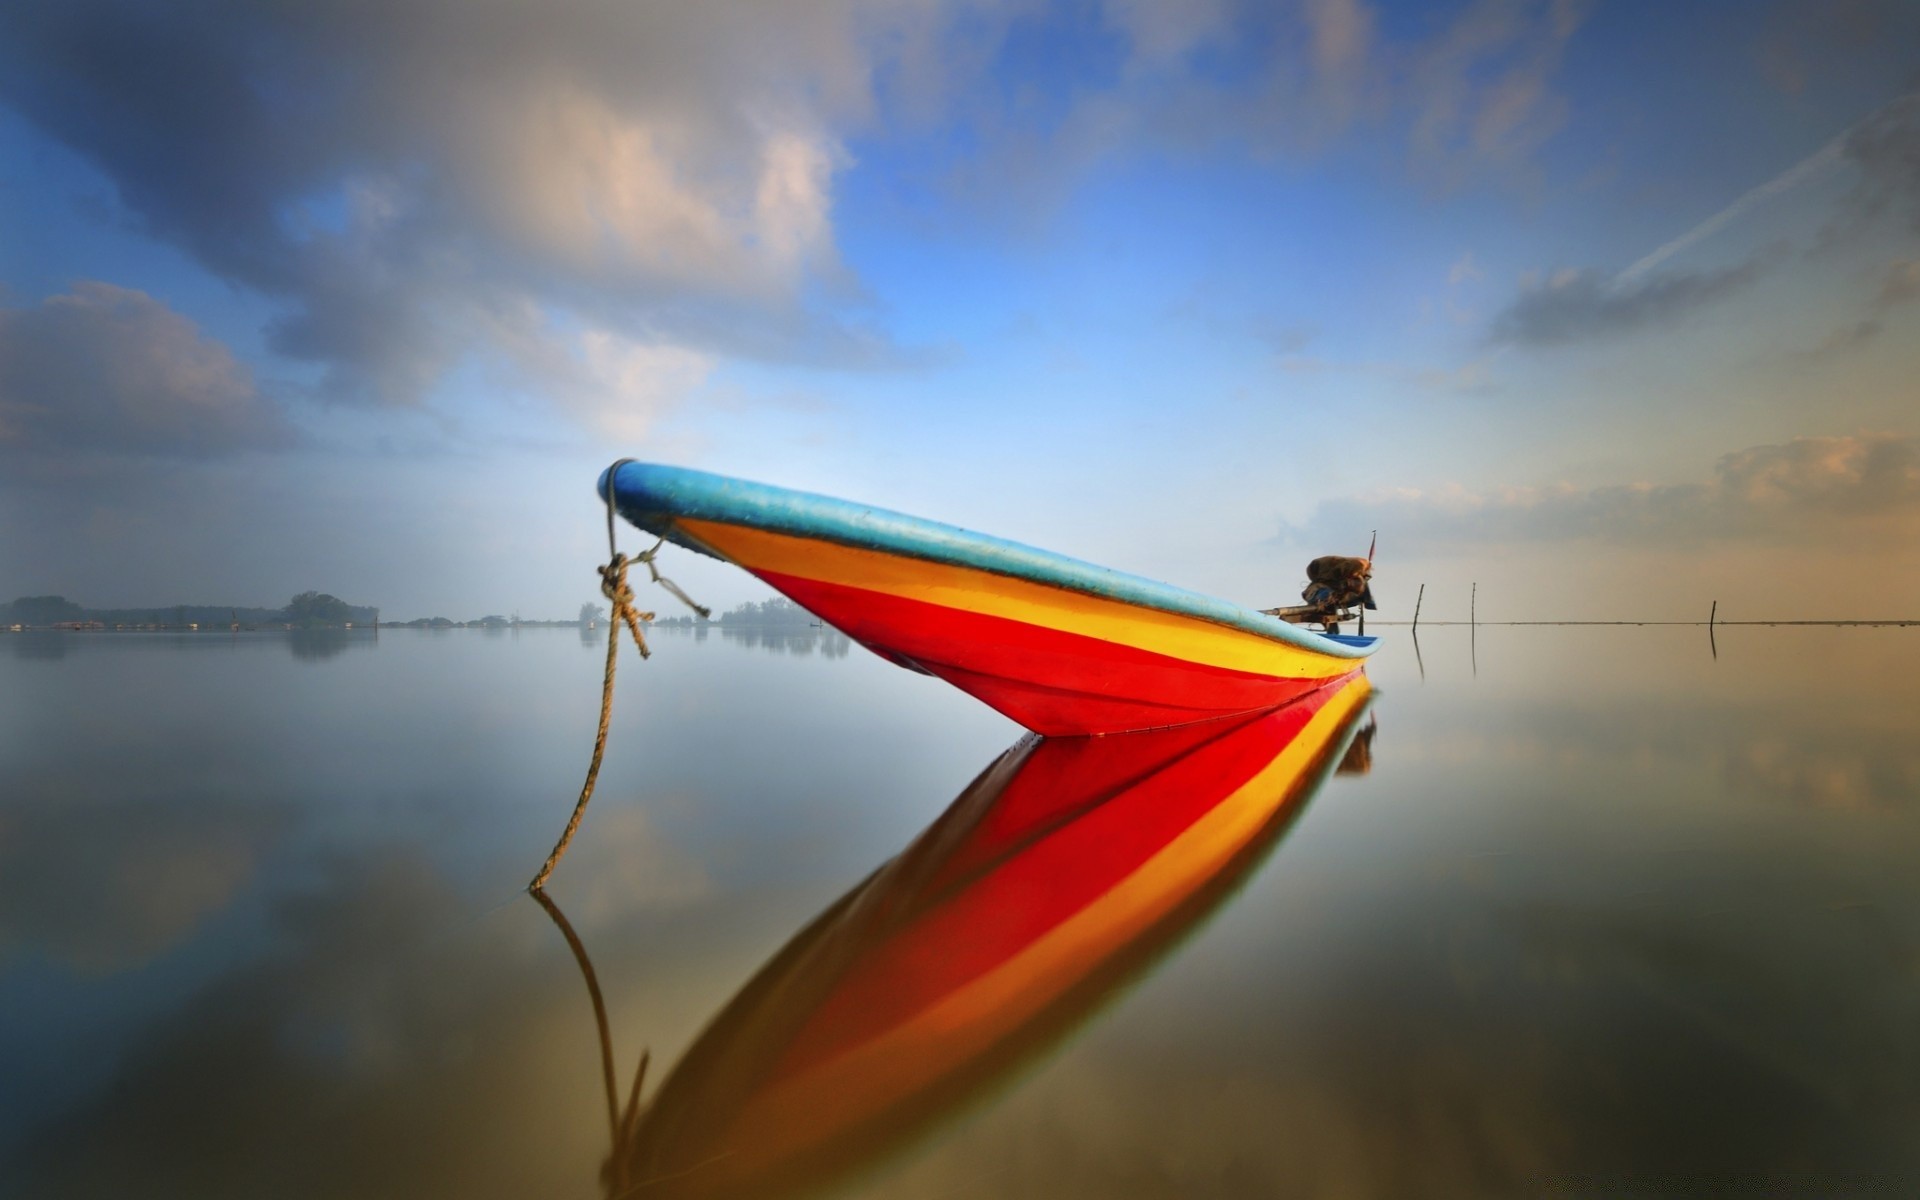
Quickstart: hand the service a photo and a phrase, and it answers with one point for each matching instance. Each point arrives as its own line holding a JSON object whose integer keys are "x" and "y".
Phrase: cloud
{"x": 1901, "y": 285}
{"x": 401, "y": 180}
{"x": 1802, "y": 42}
{"x": 1465, "y": 269}
{"x": 1481, "y": 94}
{"x": 1831, "y": 489}
{"x": 618, "y": 386}
{"x": 1316, "y": 70}
{"x": 1473, "y": 377}
{"x": 1270, "y": 81}
{"x": 1843, "y": 340}
{"x": 1163, "y": 34}
{"x": 1575, "y": 305}
{"x": 396, "y": 175}
{"x": 105, "y": 368}
{"x": 1886, "y": 149}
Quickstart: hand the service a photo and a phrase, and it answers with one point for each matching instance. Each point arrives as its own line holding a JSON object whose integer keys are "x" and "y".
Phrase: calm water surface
{"x": 1608, "y": 914}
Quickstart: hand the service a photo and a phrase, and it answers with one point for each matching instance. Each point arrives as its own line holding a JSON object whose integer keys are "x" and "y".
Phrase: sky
{"x": 1608, "y": 309}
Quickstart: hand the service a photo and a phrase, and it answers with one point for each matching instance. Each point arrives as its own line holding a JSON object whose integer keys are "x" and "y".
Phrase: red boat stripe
{"x": 1008, "y": 662}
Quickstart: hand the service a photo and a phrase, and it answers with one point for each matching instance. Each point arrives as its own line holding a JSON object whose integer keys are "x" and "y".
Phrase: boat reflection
{"x": 1059, "y": 873}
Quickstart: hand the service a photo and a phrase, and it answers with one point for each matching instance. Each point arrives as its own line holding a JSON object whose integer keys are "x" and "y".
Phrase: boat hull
{"x": 1062, "y": 647}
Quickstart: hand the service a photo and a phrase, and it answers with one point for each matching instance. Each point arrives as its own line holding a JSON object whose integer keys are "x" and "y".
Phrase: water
{"x": 1607, "y": 914}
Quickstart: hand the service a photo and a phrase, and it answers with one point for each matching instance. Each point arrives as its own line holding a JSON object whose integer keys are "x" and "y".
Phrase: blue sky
{"x": 1560, "y": 296}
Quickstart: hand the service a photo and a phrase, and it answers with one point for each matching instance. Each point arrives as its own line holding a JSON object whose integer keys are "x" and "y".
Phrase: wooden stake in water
{"x": 1712, "y": 613}
{"x": 1416, "y": 605}
{"x": 1473, "y": 606}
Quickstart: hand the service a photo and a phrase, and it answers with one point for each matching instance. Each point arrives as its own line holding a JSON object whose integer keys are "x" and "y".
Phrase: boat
{"x": 1061, "y": 646}
{"x": 1065, "y": 870}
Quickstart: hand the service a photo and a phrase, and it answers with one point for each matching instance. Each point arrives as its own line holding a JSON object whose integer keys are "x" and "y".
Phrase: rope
{"x": 614, "y": 586}
{"x": 669, "y": 584}
{"x": 621, "y": 1122}
{"x": 616, "y": 1121}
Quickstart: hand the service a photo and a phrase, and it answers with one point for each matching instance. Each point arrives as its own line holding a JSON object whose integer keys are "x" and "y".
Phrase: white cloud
{"x": 392, "y": 174}
{"x": 1465, "y": 269}
{"x": 1481, "y": 95}
{"x": 625, "y": 385}
{"x": 1163, "y": 34}
{"x": 106, "y": 368}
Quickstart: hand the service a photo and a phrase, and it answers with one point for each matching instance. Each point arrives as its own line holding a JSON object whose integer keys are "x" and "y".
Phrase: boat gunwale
{"x": 669, "y": 492}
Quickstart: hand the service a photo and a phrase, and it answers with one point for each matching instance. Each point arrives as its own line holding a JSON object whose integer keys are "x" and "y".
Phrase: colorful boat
{"x": 1061, "y": 646}
{"x": 1063, "y": 871}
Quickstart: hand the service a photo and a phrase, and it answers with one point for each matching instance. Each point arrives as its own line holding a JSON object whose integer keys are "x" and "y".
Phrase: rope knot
{"x": 613, "y": 583}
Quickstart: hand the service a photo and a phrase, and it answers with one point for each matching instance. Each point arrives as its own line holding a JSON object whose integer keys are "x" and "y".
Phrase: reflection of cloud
{"x": 1825, "y": 487}
{"x": 107, "y": 887}
{"x": 367, "y": 1025}
{"x": 1850, "y": 779}
{"x": 1797, "y": 747}
{"x": 394, "y": 1042}
{"x": 108, "y": 368}
{"x": 625, "y": 866}
{"x": 1493, "y": 1033}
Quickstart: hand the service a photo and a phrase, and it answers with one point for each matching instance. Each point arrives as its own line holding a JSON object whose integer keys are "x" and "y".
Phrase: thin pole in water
{"x": 1473, "y": 628}
{"x": 1712, "y": 613}
{"x": 1416, "y": 605}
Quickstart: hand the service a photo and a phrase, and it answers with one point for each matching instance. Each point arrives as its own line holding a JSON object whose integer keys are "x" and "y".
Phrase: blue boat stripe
{"x": 650, "y": 495}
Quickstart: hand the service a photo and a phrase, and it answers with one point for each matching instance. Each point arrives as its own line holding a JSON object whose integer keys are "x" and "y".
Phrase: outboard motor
{"x": 1336, "y": 585}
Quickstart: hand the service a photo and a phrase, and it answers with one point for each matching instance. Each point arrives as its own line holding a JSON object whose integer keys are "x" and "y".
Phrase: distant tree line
{"x": 320, "y": 610}
{"x": 308, "y": 610}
